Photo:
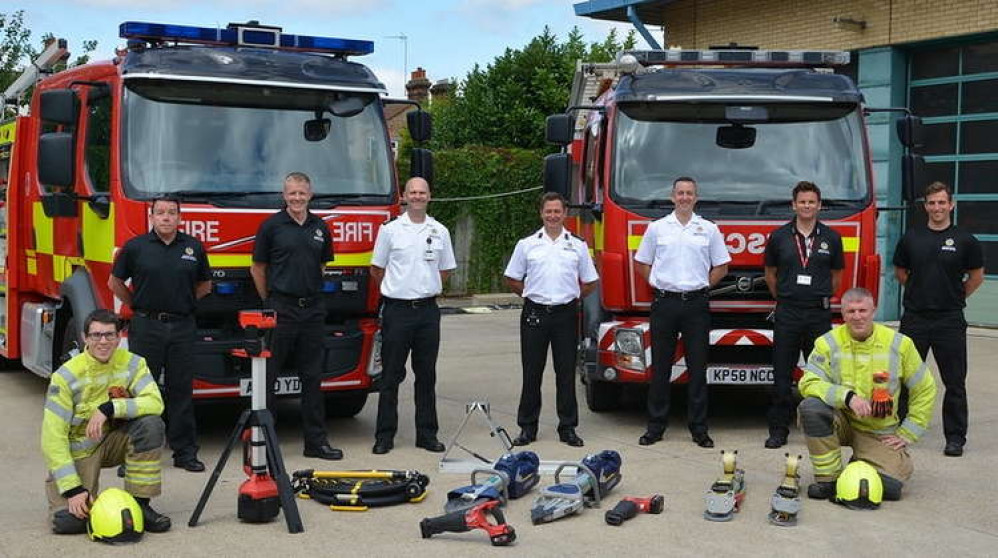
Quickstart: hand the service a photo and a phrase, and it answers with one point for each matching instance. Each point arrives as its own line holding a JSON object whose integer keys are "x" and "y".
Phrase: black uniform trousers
{"x": 409, "y": 327}
{"x": 946, "y": 334}
{"x": 794, "y": 331}
{"x": 670, "y": 316}
{"x": 166, "y": 341}
{"x": 542, "y": 326}
{"x": 297, "y": 345}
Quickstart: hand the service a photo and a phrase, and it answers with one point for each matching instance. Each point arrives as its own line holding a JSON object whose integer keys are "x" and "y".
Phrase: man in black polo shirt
{"x": 804, "y": 264}
{"x": 932, "y": 263}
{"x": 169, "y": 272}
{"x": 292, "y": 248}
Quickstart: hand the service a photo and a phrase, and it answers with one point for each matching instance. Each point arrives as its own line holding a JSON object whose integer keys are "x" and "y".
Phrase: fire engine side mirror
{"x": 420, "y": 125}
{"x": 558, "y": 173}
{"x": 912, "y": 171}
{"x": 559, "y": 129}
{"x": 911, "y": 132}
{"x": 60, "y": 106}
{"x": 421, "y": 164}
{"x": 55, "y": 160}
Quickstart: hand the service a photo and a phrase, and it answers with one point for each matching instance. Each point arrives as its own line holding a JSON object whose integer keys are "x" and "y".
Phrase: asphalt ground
{"x": 948, "y": 507}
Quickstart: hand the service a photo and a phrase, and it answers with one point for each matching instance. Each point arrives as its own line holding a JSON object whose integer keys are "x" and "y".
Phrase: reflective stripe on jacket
{"x": 75, "y": 391}
{"x": 840, "y": 364}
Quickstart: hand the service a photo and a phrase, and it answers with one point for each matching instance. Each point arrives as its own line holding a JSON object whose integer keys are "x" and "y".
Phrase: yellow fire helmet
{"x": 859, "y": 487}
{"x": 115, "y": 517}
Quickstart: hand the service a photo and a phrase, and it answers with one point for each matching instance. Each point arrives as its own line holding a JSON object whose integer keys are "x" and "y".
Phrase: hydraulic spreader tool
{"x": 725, "y": 496}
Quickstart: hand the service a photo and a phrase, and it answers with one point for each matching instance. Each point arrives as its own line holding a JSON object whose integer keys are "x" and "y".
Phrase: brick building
{"x": 939, "y": 58}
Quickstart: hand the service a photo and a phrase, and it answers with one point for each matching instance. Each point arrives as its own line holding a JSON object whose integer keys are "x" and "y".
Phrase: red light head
{"x": 260, "y": 319}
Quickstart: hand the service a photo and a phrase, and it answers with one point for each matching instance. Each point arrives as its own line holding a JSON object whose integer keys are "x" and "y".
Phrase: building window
{"x": 952, "y": 89}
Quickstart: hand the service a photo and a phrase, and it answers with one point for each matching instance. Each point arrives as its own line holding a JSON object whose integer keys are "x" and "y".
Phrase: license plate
{"x": 740, "y": 375}
{"x": 282, "y": 386}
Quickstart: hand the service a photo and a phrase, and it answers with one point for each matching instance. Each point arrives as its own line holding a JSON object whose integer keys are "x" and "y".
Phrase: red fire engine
{"x": 748, "y": 125}
{"x": 217, "y": 118}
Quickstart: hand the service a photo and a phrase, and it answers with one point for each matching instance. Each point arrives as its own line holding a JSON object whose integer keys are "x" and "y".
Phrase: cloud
{"x": 393, "y": 79}
{"x": 348, "y": 8}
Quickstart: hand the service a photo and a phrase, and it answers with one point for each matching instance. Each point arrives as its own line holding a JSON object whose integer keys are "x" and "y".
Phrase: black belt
{"x": 551, "y": 308}
{"x": 682, "y": 295}
{"x": 299, "y": 301}
{"x": 820, "y": 304}
{"x": 161, "y": 316}
{"x": 411, "y": 303}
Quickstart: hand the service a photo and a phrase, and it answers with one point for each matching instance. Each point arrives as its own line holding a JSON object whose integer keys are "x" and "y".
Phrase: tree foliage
{"x": 505, "y": 103}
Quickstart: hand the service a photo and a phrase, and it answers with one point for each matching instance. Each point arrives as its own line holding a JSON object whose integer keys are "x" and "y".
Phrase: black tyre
{"x": 71, "y": 341}
{"x": 602, "y": 396}
{"x": 346, "y": 404}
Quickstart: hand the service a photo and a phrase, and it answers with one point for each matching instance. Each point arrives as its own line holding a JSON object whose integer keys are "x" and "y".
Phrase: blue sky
{"x": 446, "y": 37}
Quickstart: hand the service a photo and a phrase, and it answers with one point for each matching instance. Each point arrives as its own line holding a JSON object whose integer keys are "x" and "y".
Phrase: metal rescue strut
{"x": 268, "y": 488}
{"x": 596, "y": 475}
{"x": 451, "y": 465}
{"x": 360, "y": 490}
{"x": 786, "y": 500}
{"x": 512, "y": 476}
{"x": 476, "y": 517}
{"x": 726, "y": 494}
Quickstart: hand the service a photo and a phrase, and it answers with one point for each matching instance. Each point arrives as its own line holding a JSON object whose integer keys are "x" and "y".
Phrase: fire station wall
{"x": 799, "y": 24}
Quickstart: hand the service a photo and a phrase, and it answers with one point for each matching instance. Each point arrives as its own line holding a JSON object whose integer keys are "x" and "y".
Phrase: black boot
{"x": 154, "y": 521}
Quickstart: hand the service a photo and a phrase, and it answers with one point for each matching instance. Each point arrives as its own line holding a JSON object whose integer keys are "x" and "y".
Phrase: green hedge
{"x": 498, "y": 222}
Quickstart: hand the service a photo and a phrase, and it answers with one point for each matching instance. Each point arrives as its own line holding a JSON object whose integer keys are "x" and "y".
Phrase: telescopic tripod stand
{"x": 268, "y": 487}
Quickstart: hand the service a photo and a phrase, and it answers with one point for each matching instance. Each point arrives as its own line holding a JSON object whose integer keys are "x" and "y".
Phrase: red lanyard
{"x": 803, "y": 248}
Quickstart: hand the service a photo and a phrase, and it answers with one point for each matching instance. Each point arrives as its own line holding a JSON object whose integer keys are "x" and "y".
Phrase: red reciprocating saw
{"x": 630, "y": 506}
{"x": 477, "y": 517}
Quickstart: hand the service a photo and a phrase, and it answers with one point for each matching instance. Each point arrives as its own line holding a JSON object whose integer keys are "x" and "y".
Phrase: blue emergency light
{"x": 246, "y": 35}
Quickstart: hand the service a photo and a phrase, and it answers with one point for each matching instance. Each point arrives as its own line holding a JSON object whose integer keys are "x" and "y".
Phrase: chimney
{"x": 418, "y": 88}
{"x": 442, "y": 89}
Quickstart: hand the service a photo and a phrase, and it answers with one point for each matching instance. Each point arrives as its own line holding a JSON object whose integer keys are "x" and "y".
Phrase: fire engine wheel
{"x": 70, "y": 341}
{"x": 345, "y": 404}
{"x": 602, "y": 396}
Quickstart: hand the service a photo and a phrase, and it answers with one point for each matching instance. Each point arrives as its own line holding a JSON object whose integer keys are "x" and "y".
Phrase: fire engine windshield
{"x": 234, "y": 144}
{"x": 820, "y": 143}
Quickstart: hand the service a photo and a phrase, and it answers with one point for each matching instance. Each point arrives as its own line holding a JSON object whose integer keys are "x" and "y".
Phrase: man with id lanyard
{"x": 412, "y": 258}
{"x": 804, "y": 264}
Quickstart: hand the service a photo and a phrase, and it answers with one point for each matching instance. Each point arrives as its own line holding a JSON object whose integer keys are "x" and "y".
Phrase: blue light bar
{"x": 242, "y": 35}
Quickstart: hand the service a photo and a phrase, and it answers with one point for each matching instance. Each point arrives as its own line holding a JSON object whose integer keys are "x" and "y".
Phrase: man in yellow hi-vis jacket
{"x": 102, "y": 409}
{"x": 851, "y": 386}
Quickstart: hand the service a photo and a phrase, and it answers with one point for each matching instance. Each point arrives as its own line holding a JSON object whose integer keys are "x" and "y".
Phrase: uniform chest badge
{"x": 948, "y": 245}
{"x": 189, "y": 251}
{"x": 949, "y": 242}
{"x": 318, "y": 235}
{"x": 824, "y": 246}
{"x": 189, "y": 254}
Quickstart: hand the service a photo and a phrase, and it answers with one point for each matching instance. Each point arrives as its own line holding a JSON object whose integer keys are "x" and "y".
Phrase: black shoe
{"x": 703, "y": 440}
{"x": 649, "y": 438}
{"x": 571, "y": 438}
{"x": 776, "y": 441}
{"x": 65, "y": 523}
{"x": 192, "y": 464}
{"x": 821, "y": 491}
{"x": 953, "y": 449}
{"x": 524, "y": 438}
{"x": 433, "y": 445}
{"x": 382, "y": 447}
{"x": 325, "y": 451}
{"x": 154, "y": 521}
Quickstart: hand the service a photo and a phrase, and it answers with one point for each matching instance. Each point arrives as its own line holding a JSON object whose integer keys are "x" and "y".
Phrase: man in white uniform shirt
{"x": 412, "y": 258}
{"x": 681, "y": 256}
{"x": 550, "y": 269}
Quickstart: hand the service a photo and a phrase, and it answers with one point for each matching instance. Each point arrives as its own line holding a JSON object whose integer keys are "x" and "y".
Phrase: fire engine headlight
{"x": 629, "y": 342}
